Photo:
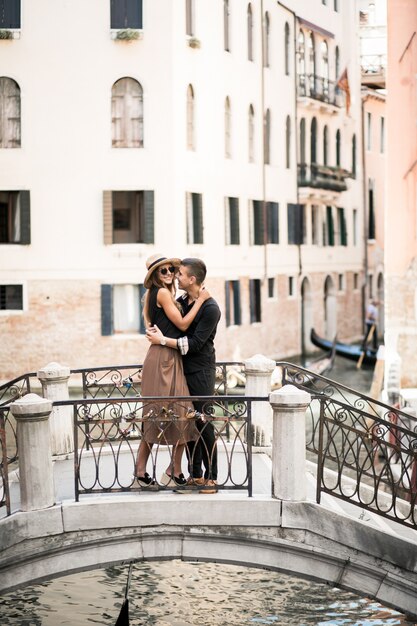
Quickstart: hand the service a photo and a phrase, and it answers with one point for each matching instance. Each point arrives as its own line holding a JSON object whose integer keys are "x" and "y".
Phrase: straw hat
{"x": 155, "y": 261}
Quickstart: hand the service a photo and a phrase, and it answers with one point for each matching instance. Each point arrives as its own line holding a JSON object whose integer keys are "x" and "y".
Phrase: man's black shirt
{"x": 200, "y": 334}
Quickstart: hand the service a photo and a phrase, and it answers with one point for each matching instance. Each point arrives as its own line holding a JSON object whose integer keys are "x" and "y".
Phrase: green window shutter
{"x": 236, "y": 302}
{"x": 227, "y": 300}
{"x": 272, "y": 222}
{"x": 142, "y": 327}
{"x": 24, "y": 217}
{"x": 330, "y": 226}
{"x": 198, "y": 217}
{"x": 106, "y": 310}
{"x": 258, "y": 223}
{"x": 148, "y": 201}
{"x": 234, "y": 221}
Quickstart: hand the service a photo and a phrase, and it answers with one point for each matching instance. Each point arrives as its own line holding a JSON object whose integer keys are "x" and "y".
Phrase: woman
{"x": 163, "y": 373}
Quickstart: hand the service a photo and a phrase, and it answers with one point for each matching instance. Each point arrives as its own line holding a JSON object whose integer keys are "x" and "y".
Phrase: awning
{"x": 315, "y": 28}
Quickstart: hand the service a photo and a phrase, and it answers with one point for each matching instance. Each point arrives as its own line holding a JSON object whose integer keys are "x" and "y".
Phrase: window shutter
{"x": 134, "y": 13}
{"x": 291, "y": 223}
{"x": 106, "y": 310}
{"x": 198, "y": 217}
{"x": 9, "y": 13}
{"x": 344, "y": 230}
{"x": 330, "y": 226}
{"x": 252, "y": 300}
{"x": 258, "y": 223}
{"x": 272, "y": 222}
{"x": 24, "y": 197}
{"x": 234, "y": 221}
{"x": 149, "y": 233}
{"x": 227, "y": 300}
{"x": 236, "y": 302}
{"x": 108, "y": 217}
{"x": 142, "y": 327}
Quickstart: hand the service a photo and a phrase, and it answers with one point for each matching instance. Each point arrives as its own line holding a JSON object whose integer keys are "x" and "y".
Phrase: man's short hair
{"x": 196, "y": 268}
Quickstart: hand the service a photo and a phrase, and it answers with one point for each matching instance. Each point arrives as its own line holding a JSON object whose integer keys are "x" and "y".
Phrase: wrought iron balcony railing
{"x": 319, "y": 88}
{"x": 322, "y": 177}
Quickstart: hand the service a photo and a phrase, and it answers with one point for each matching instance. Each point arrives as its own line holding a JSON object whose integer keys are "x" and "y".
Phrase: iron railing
{"x": 105, "y": 428}
{"x": 319, "y": 88}
{"x": 4, "y": 474}
{"x": 318, "y": 176}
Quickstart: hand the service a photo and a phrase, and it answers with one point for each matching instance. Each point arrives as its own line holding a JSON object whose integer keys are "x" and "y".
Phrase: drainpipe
{"x": 365, "y": 216}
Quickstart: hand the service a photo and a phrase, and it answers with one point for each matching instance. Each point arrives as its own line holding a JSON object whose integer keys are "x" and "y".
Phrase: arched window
{"x": 311, "y": 54}
{"x": 354, "y": 156}
{"x": 303, "y": 141}
{"x": 301, "y": 69}
{"x": 324, "y": 51}
{"x": 287, "y": 49}
{"x": 266, "y": 39}
{"x": 190, "y": 118}
{"x": 226, "y": 24}
{"x": 325, "y": 145}
{"x": 313, "y": 141}
{"x": 337, "y": 64}
{"x": 227, "y": 129}
{"x": 338, "y": 148}
{"x": 9, "y": 113}
{"x": 288, "y": 142}
{"x": 127, "y": 114}
{"x": 267, "y": 137}
{"x": 250, "y": 32}
{"x": 251, "y": 134}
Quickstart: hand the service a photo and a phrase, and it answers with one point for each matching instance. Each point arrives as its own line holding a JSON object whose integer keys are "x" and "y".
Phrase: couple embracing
{"x": 181, "y": 361}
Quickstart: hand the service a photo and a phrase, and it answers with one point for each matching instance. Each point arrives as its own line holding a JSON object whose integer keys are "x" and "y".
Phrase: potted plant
{"x": 127, "y": 34}
{"x": 6, "y": 34}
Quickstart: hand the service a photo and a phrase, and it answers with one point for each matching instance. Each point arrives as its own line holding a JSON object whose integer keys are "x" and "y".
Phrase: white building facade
{"x": 203, "y": 128}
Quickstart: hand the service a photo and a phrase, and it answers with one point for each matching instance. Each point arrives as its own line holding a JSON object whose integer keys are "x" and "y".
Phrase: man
{"x": 199, "y": 357}
{"x": 371, "y": 320}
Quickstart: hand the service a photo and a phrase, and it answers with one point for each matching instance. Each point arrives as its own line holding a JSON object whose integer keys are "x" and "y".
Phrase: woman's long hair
{"x": 157, "y": 284}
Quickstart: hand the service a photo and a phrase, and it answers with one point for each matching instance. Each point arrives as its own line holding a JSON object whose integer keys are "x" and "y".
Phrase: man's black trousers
{"x": 203, "y": 451}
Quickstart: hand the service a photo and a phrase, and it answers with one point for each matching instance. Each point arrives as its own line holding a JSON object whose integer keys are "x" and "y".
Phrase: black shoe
{"x": 146, "y": 480}
{"x": 180, "y": 480}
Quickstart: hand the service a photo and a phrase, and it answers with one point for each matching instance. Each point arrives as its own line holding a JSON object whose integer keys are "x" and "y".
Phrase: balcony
{"x": 373, "y": 68}
{"x": 324, "y": 177}
{"x": 319, "y": 89}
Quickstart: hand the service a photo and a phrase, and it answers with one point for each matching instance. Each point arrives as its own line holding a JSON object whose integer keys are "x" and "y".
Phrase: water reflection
{"x": 175, "y": 593}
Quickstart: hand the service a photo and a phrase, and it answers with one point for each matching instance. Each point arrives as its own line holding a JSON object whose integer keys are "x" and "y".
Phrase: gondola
{"x": 351, "y": 352}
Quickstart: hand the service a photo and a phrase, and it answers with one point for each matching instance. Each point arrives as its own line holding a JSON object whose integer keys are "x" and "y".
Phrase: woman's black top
{"x": 158, "y": 316}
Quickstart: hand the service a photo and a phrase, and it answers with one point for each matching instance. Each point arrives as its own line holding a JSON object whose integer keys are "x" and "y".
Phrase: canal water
{"x": 175, "y": 593}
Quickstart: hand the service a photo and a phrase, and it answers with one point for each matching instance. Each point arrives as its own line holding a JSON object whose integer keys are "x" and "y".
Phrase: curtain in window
{"x": 126, "y": 308}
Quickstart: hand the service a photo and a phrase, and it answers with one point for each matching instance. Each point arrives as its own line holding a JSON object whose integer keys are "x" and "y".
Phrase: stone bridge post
{"x": 258, "y": 370}
{"x": 289, "y": 406}
{"x": 54, "y": 379}
{"x": 35, "y": 460}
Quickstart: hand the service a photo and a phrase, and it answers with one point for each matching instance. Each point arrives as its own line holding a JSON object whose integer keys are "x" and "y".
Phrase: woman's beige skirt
{"x": 166, "y": 422}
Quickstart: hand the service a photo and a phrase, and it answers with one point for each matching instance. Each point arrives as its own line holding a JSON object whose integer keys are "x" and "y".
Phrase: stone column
{"x": 289, "y": 406}
{"x": 35, "y": 460}
{"x": 54, "y": 379}
{"x": 258, "y": 370}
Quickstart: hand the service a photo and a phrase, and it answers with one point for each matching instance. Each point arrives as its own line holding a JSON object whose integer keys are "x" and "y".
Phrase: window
{"x": 354, "y": 156}
{"x": 128, "y": 216}
{"x": 338, "y": 148}
{"x": 288, "y": 142}
{"x": 295, "y": 223}
{"x": 291, "y": 285}
{"x": 371, "y": 210}
{"x": 368, "y": 130}
{"x": 232, "y": 221}
{"x": 190, "y": 118}
{"x": 232, "y": 301}
{"x": 127, "y": 114}
{"x": 267, "y": 137}
{"x": 194, "y": 208}
{"x": 255, "y": 300}
{"x": 330, "y": 226}
{"x": 266, "y": 39}
{"x": 189, "y": 17}
{"x": 287, "y": 48}
{"x": 315, "y": 225}
{"x": 325, "y": 65}
{"x": 336, "y": 5}
{"x": 355, "y": 226}
{"x": 226, "y": 24}
{"x": 121, "y": 309}
{"x": 15, "y": 217}
{"x": 337, "y": 67}
{"x": 9, "y": 112}
{"x": 382, "y": 135}
{"x": 341, "y": 282}
{"x": 341, "y": 227}
{"x": 301, "y": 69}
{"x": 325, "y": 145}
{"x": 125, "y": 13}
{"x": 257, "y": 223}
{"x": 302, "y": 141}
{"x": 313, "y": 141}
{"x": 355, "y": 281}
{"x": 11, "y": 298}
{"x": 272, "y": 222}
{"x": 251, "y": 134}
{"x": 311, "y": 54}
{"x": 250, "y": 32}
{"x": 371, "y": 285}
{"x": 272, "y": 288}
{"x": 9, "y": 13}
{"x": 227, "y": 129}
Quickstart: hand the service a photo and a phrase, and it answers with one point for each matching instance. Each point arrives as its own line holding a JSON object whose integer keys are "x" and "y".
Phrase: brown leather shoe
{"x": 210, "y": 487}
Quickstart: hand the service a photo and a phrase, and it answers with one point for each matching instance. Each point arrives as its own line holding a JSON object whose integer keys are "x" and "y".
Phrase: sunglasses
{"x": 171, "y": 269}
